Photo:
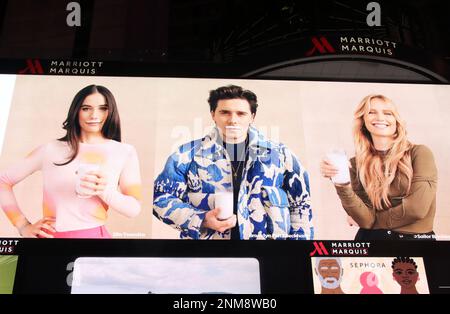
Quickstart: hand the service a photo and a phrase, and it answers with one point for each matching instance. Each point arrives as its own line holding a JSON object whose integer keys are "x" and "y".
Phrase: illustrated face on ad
{"x": 330, "y": 273}
{"x": 405, "y": 274}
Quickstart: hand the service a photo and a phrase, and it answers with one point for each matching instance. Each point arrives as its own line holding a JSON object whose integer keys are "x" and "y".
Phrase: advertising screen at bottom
{"x": 166, "y": 275}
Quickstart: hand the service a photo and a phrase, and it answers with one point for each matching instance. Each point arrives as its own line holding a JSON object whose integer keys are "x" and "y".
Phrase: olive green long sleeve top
{"x": 409, "y": 213}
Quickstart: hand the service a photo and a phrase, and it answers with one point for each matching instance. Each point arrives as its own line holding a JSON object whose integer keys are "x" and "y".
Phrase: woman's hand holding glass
{"x": 330, "y": 171}
{"x": 94, "y": 183}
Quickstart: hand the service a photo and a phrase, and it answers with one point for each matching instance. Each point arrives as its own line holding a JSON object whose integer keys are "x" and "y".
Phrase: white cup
{"x": 82, "y": 171}
{"x": 339, "y": 160}
{"x": 224, "y": 201}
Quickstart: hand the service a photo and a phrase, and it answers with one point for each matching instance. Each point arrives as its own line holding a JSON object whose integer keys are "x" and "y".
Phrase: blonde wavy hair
{"x": 377, "y": 172}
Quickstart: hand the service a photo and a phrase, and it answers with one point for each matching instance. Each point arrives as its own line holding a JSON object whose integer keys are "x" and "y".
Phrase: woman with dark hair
{"x": 404, "y": 272}
{"x": 392, "y": 191}
{"x": 85, "y": 173}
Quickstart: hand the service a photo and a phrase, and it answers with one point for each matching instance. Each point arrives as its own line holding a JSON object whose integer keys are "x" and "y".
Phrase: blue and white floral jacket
{"x": 274, "y": 199}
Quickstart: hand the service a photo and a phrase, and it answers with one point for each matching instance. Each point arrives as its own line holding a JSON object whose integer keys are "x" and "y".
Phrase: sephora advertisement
{"x": 170, "y": 158}
{"x": 369, "y": 275}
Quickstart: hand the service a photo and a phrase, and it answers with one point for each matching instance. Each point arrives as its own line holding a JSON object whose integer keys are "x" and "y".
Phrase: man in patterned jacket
{"x": 271, "y": 198}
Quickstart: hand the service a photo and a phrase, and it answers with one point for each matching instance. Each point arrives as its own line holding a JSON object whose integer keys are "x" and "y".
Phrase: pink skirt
{"x": 92, "y": 233}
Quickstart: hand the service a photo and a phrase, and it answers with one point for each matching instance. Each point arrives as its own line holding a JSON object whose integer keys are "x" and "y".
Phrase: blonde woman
{"x": 392, "y": 193}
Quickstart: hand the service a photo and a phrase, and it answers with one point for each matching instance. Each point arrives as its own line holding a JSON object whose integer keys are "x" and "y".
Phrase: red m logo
{"x": 319, "y": 248}
{"x": 322, "y": 45}
{"x": 33, "y": 67}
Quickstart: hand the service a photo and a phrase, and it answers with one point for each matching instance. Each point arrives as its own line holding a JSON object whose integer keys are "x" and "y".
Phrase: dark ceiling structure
{"x": 242, "y": 38}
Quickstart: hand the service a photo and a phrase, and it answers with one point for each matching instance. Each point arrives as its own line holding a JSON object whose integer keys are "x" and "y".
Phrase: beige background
{"x": 39, "y": 107}
{"x": 328, "y": 120}
{"x": 159, "y": 114}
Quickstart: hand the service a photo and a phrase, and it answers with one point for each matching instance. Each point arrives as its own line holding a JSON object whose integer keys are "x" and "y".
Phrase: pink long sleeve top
{"x": 118, "y": 161}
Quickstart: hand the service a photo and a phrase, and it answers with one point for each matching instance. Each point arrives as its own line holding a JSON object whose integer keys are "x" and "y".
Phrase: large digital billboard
{"x": 170, "y": 174}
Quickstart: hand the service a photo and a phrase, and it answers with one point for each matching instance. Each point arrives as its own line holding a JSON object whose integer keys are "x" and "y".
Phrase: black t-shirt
{"x": 238, "y": 155}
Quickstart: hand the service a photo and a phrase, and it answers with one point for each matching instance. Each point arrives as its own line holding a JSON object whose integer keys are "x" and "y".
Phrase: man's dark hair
{"x": 407, "y": 260}
{"x": 232, "y": 92}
